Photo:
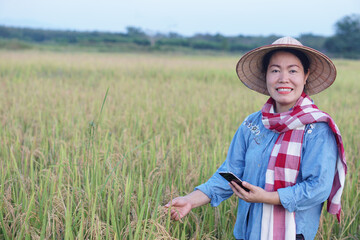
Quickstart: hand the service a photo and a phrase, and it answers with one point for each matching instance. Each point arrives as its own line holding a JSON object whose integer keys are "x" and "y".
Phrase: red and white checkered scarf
{"x": 284, "y": 163}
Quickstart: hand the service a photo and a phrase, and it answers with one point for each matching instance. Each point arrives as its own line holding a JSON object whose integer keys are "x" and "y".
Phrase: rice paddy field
{"x": 92, "y": 145}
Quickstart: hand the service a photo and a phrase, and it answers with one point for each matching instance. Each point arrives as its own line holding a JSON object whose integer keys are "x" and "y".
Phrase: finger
{"x": 236, "y": 192}
{"x": 166, "y": 209}
{"x": 247, "y": 188}
{"x": 168, "y": 204}
{"x": 175, "y": 216}
{"x": 233, "y": 187}
{"x": 247, "y": 185}
{"x": 240, "y": 188}
{"x": 236, "y": 186}
{"x": 172, "y": 202}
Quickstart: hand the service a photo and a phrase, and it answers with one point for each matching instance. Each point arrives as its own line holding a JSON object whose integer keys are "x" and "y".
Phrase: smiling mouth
{"x": 284, "y": 90}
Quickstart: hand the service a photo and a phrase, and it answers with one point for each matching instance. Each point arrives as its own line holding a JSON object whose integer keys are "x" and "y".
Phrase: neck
{"x": 281, "y": 109}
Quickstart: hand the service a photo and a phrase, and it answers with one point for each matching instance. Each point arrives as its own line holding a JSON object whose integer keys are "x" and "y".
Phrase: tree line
{"x": 345, "y": 43}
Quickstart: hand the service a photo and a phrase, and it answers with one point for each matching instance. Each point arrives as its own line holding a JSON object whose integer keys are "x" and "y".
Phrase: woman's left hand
{"x": 255, "y": 195}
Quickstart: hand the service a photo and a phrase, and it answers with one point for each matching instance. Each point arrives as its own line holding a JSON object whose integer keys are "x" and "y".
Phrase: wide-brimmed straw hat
{"x": 250, "y": 68}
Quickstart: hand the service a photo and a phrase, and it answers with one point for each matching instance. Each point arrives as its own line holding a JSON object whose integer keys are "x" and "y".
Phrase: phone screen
{"x": 229, "y": 176}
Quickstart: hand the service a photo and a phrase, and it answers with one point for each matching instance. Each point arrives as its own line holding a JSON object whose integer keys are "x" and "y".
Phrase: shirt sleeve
{"x": 317, "y": 169}
{"x": 217, "y": 188}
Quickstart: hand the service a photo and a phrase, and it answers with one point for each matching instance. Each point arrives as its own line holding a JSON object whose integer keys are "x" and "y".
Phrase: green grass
{"x": 93, "y": 145}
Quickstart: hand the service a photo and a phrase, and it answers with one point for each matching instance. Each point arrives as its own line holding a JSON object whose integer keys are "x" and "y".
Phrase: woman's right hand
{"x": 179, "y": 207}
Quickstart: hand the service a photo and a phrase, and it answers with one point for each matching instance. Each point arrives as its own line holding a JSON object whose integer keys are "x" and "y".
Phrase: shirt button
{"x": 259, "y": 165}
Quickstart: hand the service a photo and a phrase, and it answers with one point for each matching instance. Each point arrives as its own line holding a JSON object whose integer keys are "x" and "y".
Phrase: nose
{"x": 284, "y": 77}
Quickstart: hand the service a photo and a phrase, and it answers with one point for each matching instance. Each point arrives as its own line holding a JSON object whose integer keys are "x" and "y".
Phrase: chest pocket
{"x": 258, "y": 139}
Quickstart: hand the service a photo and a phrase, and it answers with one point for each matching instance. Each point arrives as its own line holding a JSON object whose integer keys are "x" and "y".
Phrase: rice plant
{"x": 94, "y": 144}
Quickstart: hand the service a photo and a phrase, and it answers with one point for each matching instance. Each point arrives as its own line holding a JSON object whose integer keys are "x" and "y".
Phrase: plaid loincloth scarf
{"x": 284, "y": 163}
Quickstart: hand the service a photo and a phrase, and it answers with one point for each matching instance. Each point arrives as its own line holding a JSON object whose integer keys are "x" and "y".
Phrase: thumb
{"x": 171, "y": 202}
{"x": 247, "y": 185}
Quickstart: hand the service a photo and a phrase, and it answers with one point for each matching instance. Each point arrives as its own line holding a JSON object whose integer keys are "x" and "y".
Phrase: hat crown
{"x": 287, "y": 40}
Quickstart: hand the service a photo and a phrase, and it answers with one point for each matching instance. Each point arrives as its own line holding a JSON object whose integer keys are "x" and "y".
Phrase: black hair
{"x": 299, "y": 54}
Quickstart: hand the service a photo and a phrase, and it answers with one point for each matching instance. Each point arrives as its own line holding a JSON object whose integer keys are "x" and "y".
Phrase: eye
{"x": 293, "y": 71}
{"x": 275, "y": 71}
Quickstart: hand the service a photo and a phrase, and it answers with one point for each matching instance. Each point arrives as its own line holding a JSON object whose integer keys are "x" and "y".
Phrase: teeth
{"x": 284, "y": 89}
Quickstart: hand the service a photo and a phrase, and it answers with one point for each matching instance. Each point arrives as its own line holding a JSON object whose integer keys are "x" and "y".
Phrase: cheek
{"x": 269, "y": 82}
{"x": 306, "y": 76}
{"x": 267, "y": 85}
{"x": 303, "y": 83}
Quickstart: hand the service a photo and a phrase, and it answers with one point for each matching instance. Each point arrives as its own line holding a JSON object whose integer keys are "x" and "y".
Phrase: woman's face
{"x": 285, "y": 80}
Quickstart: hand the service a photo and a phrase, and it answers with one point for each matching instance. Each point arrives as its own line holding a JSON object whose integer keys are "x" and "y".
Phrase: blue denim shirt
{"x": 248, "y": 157}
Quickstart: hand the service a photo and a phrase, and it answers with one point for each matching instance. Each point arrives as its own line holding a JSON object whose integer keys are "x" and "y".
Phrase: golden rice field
{"x": 94, "y": 144}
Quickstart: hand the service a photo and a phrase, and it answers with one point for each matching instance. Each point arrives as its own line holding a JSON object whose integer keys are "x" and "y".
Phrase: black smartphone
{"x": 229, "y": 176}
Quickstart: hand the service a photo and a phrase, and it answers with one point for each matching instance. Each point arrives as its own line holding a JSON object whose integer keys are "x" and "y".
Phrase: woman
{"x": 290, "y": 154}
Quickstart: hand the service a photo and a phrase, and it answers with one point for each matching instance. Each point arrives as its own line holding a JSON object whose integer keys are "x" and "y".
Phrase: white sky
{"x": 186, "y": 17}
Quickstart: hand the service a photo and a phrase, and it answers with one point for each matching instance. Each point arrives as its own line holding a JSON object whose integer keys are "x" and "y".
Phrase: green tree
{"x": 346, "y": 41}
{"x": 135, "y": 32}
{"x": 314, "y": 41}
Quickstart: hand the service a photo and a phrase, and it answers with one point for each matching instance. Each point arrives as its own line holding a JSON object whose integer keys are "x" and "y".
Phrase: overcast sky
{"x": 186, "y": 17}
